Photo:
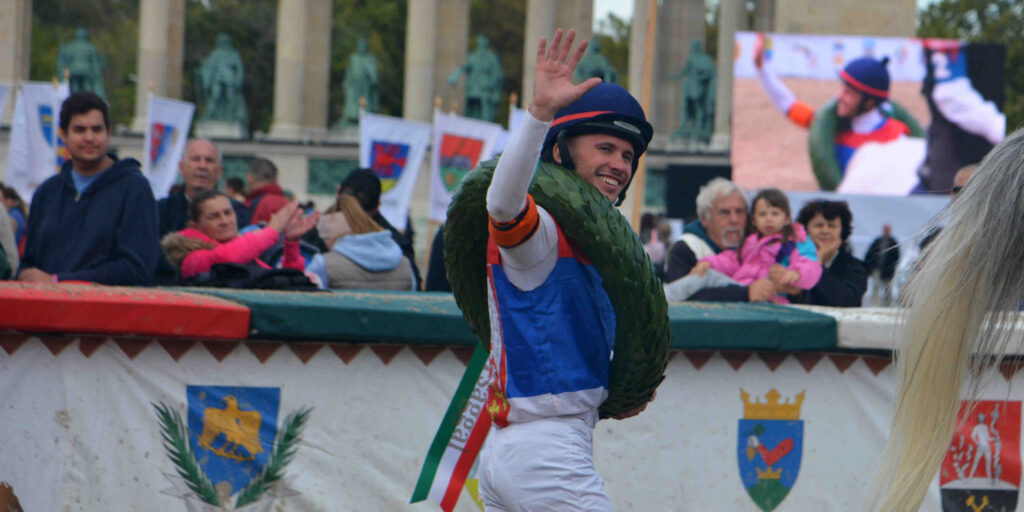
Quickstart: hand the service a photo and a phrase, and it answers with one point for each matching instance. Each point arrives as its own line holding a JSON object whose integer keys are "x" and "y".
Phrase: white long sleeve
{"x": 963, "y": 105}
{"x": 528, "y": 264}
{"x": 507, "y": 195}
{"x": 781, "y": 96}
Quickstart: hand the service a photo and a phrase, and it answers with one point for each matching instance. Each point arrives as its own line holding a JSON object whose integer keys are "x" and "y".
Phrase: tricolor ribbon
{"x": 459, "y": 437}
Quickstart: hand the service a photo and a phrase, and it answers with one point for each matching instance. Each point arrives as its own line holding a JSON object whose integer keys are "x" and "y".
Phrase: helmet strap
{"x": 862, "y": 106}
{"x": 563, "y": 151}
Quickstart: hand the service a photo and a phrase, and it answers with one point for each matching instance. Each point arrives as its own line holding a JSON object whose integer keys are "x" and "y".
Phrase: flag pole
{"x": 639, "y": 181}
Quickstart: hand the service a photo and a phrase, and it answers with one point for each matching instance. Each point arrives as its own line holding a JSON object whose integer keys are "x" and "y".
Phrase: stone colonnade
{"x": 15, "y": 43}
{"x": 437, "y": 37}
{"x": 161, "y": 54}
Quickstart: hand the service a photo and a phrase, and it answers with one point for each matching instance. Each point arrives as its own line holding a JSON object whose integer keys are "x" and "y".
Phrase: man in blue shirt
{"x": 96, "y": 220}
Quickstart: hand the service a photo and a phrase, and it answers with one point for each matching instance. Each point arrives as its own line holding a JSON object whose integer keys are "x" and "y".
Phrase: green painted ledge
{"x": 433, "y": 319}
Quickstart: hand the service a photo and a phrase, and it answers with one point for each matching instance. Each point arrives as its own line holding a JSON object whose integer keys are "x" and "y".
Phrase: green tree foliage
{"x": 113, "y": 28}
{"x": 383, "y": 23}
{"x": 252, "y": 27}
{"x": 985, "y": 21}
{"x": 613, "y": 34}
{"x": 503, "y": 22}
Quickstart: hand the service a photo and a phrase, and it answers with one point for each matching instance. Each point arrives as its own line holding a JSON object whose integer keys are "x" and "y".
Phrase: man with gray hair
{"x": 200, "y": 168}
{"x": 265, "y": 195}
{"x": 722, "y": 218}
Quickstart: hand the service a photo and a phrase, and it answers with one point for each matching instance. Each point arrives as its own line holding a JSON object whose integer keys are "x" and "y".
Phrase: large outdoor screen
{"x": 795, "y": 128}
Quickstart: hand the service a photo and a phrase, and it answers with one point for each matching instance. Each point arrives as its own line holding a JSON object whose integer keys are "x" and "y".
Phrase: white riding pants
{"x": 541, "y": 465}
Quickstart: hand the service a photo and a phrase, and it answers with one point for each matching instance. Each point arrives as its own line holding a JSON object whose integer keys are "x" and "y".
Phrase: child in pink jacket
{"x": 774, "y": 239}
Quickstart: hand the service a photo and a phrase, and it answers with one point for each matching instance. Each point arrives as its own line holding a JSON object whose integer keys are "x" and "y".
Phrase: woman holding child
{"x": 774, "y": 247}
{"x": 844, "y": 278}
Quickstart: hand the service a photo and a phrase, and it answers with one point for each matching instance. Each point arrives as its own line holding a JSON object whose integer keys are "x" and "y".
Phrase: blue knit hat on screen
{"x": 869, "y": 76}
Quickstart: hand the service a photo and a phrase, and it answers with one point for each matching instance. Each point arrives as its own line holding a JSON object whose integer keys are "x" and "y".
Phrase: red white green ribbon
{"x": 458, "y": 439}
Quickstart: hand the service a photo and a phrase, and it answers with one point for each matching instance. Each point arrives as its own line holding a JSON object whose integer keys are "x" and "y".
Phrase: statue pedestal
{"x": 683, "y": 145}
{"x": 220, "y": 130}
{"x": 344, "y": 134}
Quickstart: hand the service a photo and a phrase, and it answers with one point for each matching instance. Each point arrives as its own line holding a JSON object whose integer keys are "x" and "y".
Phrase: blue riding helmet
{"x": 607, "y": 109}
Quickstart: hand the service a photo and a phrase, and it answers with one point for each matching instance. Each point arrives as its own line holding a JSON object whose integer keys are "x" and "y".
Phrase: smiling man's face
{"x": 604, "y": 161}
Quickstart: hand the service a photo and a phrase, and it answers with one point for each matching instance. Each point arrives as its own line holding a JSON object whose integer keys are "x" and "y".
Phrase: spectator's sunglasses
{"x": 957, "y": 189}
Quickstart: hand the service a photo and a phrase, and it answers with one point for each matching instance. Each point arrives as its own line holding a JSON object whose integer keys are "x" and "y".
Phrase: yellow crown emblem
{"x": 768, "y": 474}
{"x": 771, "y": 409}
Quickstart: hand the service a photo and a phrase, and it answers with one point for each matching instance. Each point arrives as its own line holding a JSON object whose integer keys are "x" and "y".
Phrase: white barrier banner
{"x": 394, "y": 148}
{"x": 167, "y": 125}
{"x": 822, "y": 56}
{"x": 459, "y": 145}
{"x": 113, "y": 424}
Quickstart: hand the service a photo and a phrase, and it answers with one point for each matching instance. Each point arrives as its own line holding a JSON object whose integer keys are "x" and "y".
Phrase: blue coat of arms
{"x": 769, "y": 447}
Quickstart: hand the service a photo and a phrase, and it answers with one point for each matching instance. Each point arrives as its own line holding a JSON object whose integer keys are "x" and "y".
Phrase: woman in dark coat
{"x": 845, "y": 278}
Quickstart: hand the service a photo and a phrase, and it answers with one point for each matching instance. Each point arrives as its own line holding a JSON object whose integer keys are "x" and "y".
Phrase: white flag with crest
{"x": 459, "y": 145}
{"x": 167, "y": 126}
{"x": 33, "y": 151}
{"x": 394, "y": 148}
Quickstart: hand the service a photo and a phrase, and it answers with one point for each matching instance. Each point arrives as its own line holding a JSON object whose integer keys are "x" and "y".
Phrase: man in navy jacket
{"x": 95, "y": 221}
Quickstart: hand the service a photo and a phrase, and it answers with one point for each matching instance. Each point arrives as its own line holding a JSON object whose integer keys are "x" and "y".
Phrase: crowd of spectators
{"x": 723, "y": 223}
{"x": 97, "y": 221}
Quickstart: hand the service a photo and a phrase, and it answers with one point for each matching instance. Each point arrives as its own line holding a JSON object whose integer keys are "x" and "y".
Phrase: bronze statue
{"x": 697, "y": 115}
{"x": 484, "y": 77}
{"x": 83, "y": 64}
{"x": 219, "y": 84}
{"x": 595, "y": 64}
{"x": 361, "y": 81}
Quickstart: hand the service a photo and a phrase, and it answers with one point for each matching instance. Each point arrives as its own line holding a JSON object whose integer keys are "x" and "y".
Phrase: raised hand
{"x": 298, "y": 225}
{"x": 552, "y": 81}
{"x": 280, "y": 219}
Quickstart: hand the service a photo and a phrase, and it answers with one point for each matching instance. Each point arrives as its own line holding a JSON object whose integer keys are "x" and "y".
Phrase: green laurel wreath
{"x": 642, "y": 330}
{"x": 175, "y": 435}
{"x": 282, "y": 454}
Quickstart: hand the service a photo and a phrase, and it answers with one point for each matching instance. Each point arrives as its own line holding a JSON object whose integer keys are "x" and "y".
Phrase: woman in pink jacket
{"x": 212, "y": 236}
{"x": 776, "y": 248}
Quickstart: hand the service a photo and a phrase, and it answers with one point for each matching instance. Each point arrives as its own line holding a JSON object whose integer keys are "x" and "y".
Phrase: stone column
{"x": 540, "y": 22}
{"x": 543, "y": 17}
{"x": 679, "y": 23}
{"x": 176, "y": 49}
{"x": 575, "y": 14}
{"x": 637, "y": 39}
{"x": 159, "y": 31}
{"x": 764, "y": 15}
{"x": 420, "y": 48}
{"x": 732, "y": 17}
{"x": 319, "y": 19}
{"x": 452, "y": 48}
{"x": 15, "y": 45}
{"x": 289, "y": 67}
